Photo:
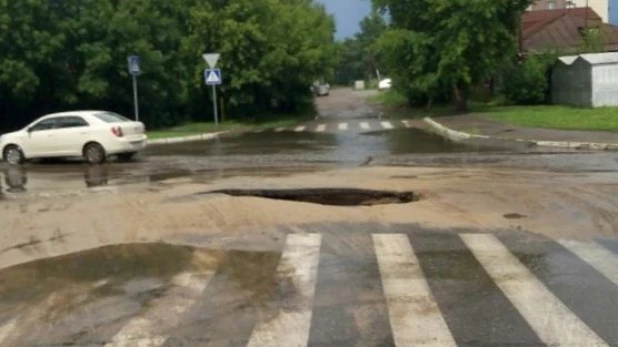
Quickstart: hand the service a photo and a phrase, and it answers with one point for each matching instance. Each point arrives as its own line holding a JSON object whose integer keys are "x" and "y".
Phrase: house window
{"x": 551, "y": 4}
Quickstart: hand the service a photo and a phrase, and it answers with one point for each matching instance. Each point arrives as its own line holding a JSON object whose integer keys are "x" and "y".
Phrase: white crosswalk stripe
{"x": 280, "y": 129}
{"x": 406, "y": 123}
{"x": 597, "y": 256}
{"x": 320, "y": 128}
{"x": 299, "y": 262}
{"x": 415, "y": 317}
{"x": 387, "y": 125}
{"x": 553, "y": 322}
{"x": 365, "y": 126}
{"x": 163, "y": 313}
{"x": 343, "y": 126}
{"x": 300, "y": 128}
{"x": 6, "y": 329}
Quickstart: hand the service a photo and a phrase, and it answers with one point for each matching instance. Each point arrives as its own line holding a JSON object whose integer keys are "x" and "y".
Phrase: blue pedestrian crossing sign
{"x": 212, "y": 77}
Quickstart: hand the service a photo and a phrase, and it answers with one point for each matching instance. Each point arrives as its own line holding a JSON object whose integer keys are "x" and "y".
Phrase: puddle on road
{"x": 403, "y": 141}
{"x": 264, "y": 143}
{"x": 111, "y": 265}
{"x": 268, "y": 143}
{"x": 131, "y": 275}
{"x": 276, "y": 154}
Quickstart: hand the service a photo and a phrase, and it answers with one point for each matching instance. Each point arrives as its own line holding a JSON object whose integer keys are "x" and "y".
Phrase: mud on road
{"x": 60, "y": 208}
{"x": 556, "y": 205}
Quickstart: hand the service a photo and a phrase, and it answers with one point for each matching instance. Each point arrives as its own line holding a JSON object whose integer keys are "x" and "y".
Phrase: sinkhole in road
{"x": 327, "y": 196}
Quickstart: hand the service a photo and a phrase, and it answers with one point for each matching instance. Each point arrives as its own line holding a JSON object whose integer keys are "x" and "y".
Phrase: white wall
{"x": 605, "y": 85}
{"x": 601, "y": 7}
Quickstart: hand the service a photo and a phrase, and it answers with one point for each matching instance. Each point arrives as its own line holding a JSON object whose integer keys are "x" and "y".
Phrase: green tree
{"x": 452, "y": 44}
{"x": 59, "y": 55}
{"x": 271, "y": 51}
{"x": 359, "y": 56}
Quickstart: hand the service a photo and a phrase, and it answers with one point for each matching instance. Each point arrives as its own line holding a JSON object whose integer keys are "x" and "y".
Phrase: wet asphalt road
{"x": 349, "y": 132}
{"x": 286, "y": 152}
{"x": 318, "y": 284}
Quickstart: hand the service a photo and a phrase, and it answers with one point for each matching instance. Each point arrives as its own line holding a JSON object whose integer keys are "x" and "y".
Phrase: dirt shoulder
{"x": 556, "y": 205}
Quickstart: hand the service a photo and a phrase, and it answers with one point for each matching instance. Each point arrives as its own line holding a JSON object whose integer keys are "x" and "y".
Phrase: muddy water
{"x": 273, "y": 153}
{"x": 82, "y": 297}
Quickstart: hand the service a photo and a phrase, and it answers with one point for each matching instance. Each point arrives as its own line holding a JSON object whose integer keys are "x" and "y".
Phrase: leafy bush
{"x": 61, "y": 55}
{"x": 527, "y": 82}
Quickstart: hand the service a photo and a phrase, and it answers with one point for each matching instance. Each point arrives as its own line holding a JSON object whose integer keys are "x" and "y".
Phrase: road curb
{"x": 457, "y": 136}
{"x": 188, "y": 138}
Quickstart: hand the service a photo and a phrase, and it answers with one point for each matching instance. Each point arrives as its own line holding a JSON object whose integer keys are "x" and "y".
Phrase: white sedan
{"x": 385, "y": 84}
{"x": 94, "y": 135}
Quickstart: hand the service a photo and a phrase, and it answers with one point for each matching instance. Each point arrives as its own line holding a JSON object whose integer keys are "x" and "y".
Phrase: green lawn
{"x": 390, "y": 98}
{"x": 556, "y": 117}
{"x": 543, "y": 116}
{"x": 200, "y": 128}
{"x": 396, "y": 106}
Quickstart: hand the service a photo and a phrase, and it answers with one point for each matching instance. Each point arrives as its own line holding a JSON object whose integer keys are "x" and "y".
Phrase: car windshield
{"x": 110, "y": 117}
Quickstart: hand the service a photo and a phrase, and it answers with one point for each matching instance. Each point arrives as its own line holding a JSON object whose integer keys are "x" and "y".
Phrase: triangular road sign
{"x": 211, "y": 59}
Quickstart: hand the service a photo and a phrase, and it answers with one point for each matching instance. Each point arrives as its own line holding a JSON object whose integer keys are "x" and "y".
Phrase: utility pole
{"x": 586, "y": 16}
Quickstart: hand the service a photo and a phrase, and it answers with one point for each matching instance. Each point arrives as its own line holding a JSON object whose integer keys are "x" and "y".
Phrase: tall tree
{"x": 58, "y": 55}
{"x": 453, "y": 44}
{"x": 359, "y": 57}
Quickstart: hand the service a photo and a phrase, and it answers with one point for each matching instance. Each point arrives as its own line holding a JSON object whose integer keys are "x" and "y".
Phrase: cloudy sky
{"x": 348, "y": 14}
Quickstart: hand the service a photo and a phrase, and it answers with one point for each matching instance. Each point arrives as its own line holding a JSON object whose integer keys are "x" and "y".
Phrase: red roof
{"x": 560, "y": 29}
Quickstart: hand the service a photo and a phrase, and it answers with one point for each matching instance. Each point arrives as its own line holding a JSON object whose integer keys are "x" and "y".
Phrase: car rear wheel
{"x": 94, "y": 153}
{"x": 126, "y": 156}
{"x": 13, "y": 155}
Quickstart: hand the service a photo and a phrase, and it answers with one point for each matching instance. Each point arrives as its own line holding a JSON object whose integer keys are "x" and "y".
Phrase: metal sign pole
{"x": 134, "y": 70}
{"x": 214, "y": 103}
{"x": 213, "y": 77}
{"x": 135, "y": 102}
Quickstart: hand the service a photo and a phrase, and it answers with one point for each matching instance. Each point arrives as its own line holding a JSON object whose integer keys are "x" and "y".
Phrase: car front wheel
{"x": 13, "y": 155}
{"x": 94, "y": 153}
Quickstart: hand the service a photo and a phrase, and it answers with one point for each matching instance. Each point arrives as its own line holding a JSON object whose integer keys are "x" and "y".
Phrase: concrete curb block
{"x": 457, "y": 136}
{"x": 189, "y": 138}
{"x": 450, "y": 133}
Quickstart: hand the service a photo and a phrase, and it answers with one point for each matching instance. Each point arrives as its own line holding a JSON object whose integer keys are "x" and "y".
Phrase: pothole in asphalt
{"x": 327, "y": 196}
{"x": 514, "y": 216}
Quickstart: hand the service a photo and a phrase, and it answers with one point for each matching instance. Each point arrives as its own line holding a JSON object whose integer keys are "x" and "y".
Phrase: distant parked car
{"x": 385, "y": 84}
{"x": 94, "y": 135}
{"x": 321, "y": 89}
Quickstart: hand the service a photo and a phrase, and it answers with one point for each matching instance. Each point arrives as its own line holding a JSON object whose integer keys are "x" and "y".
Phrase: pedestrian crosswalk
{"x": 325, "y": 295}
{"x": 350, "y": 126}
{"x": 144, "y": 330}
{"x": 414, "y": 315}
{"x": 553, "y": 322}
{"x": 290, "y": 327}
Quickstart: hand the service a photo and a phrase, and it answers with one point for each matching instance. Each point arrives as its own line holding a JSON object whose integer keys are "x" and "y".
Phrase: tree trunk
{"x": 461, "y": 100}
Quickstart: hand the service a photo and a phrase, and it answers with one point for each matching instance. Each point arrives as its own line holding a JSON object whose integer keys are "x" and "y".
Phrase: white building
{"x": 586, "y": 80}
{"x": 601, "y": 7}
